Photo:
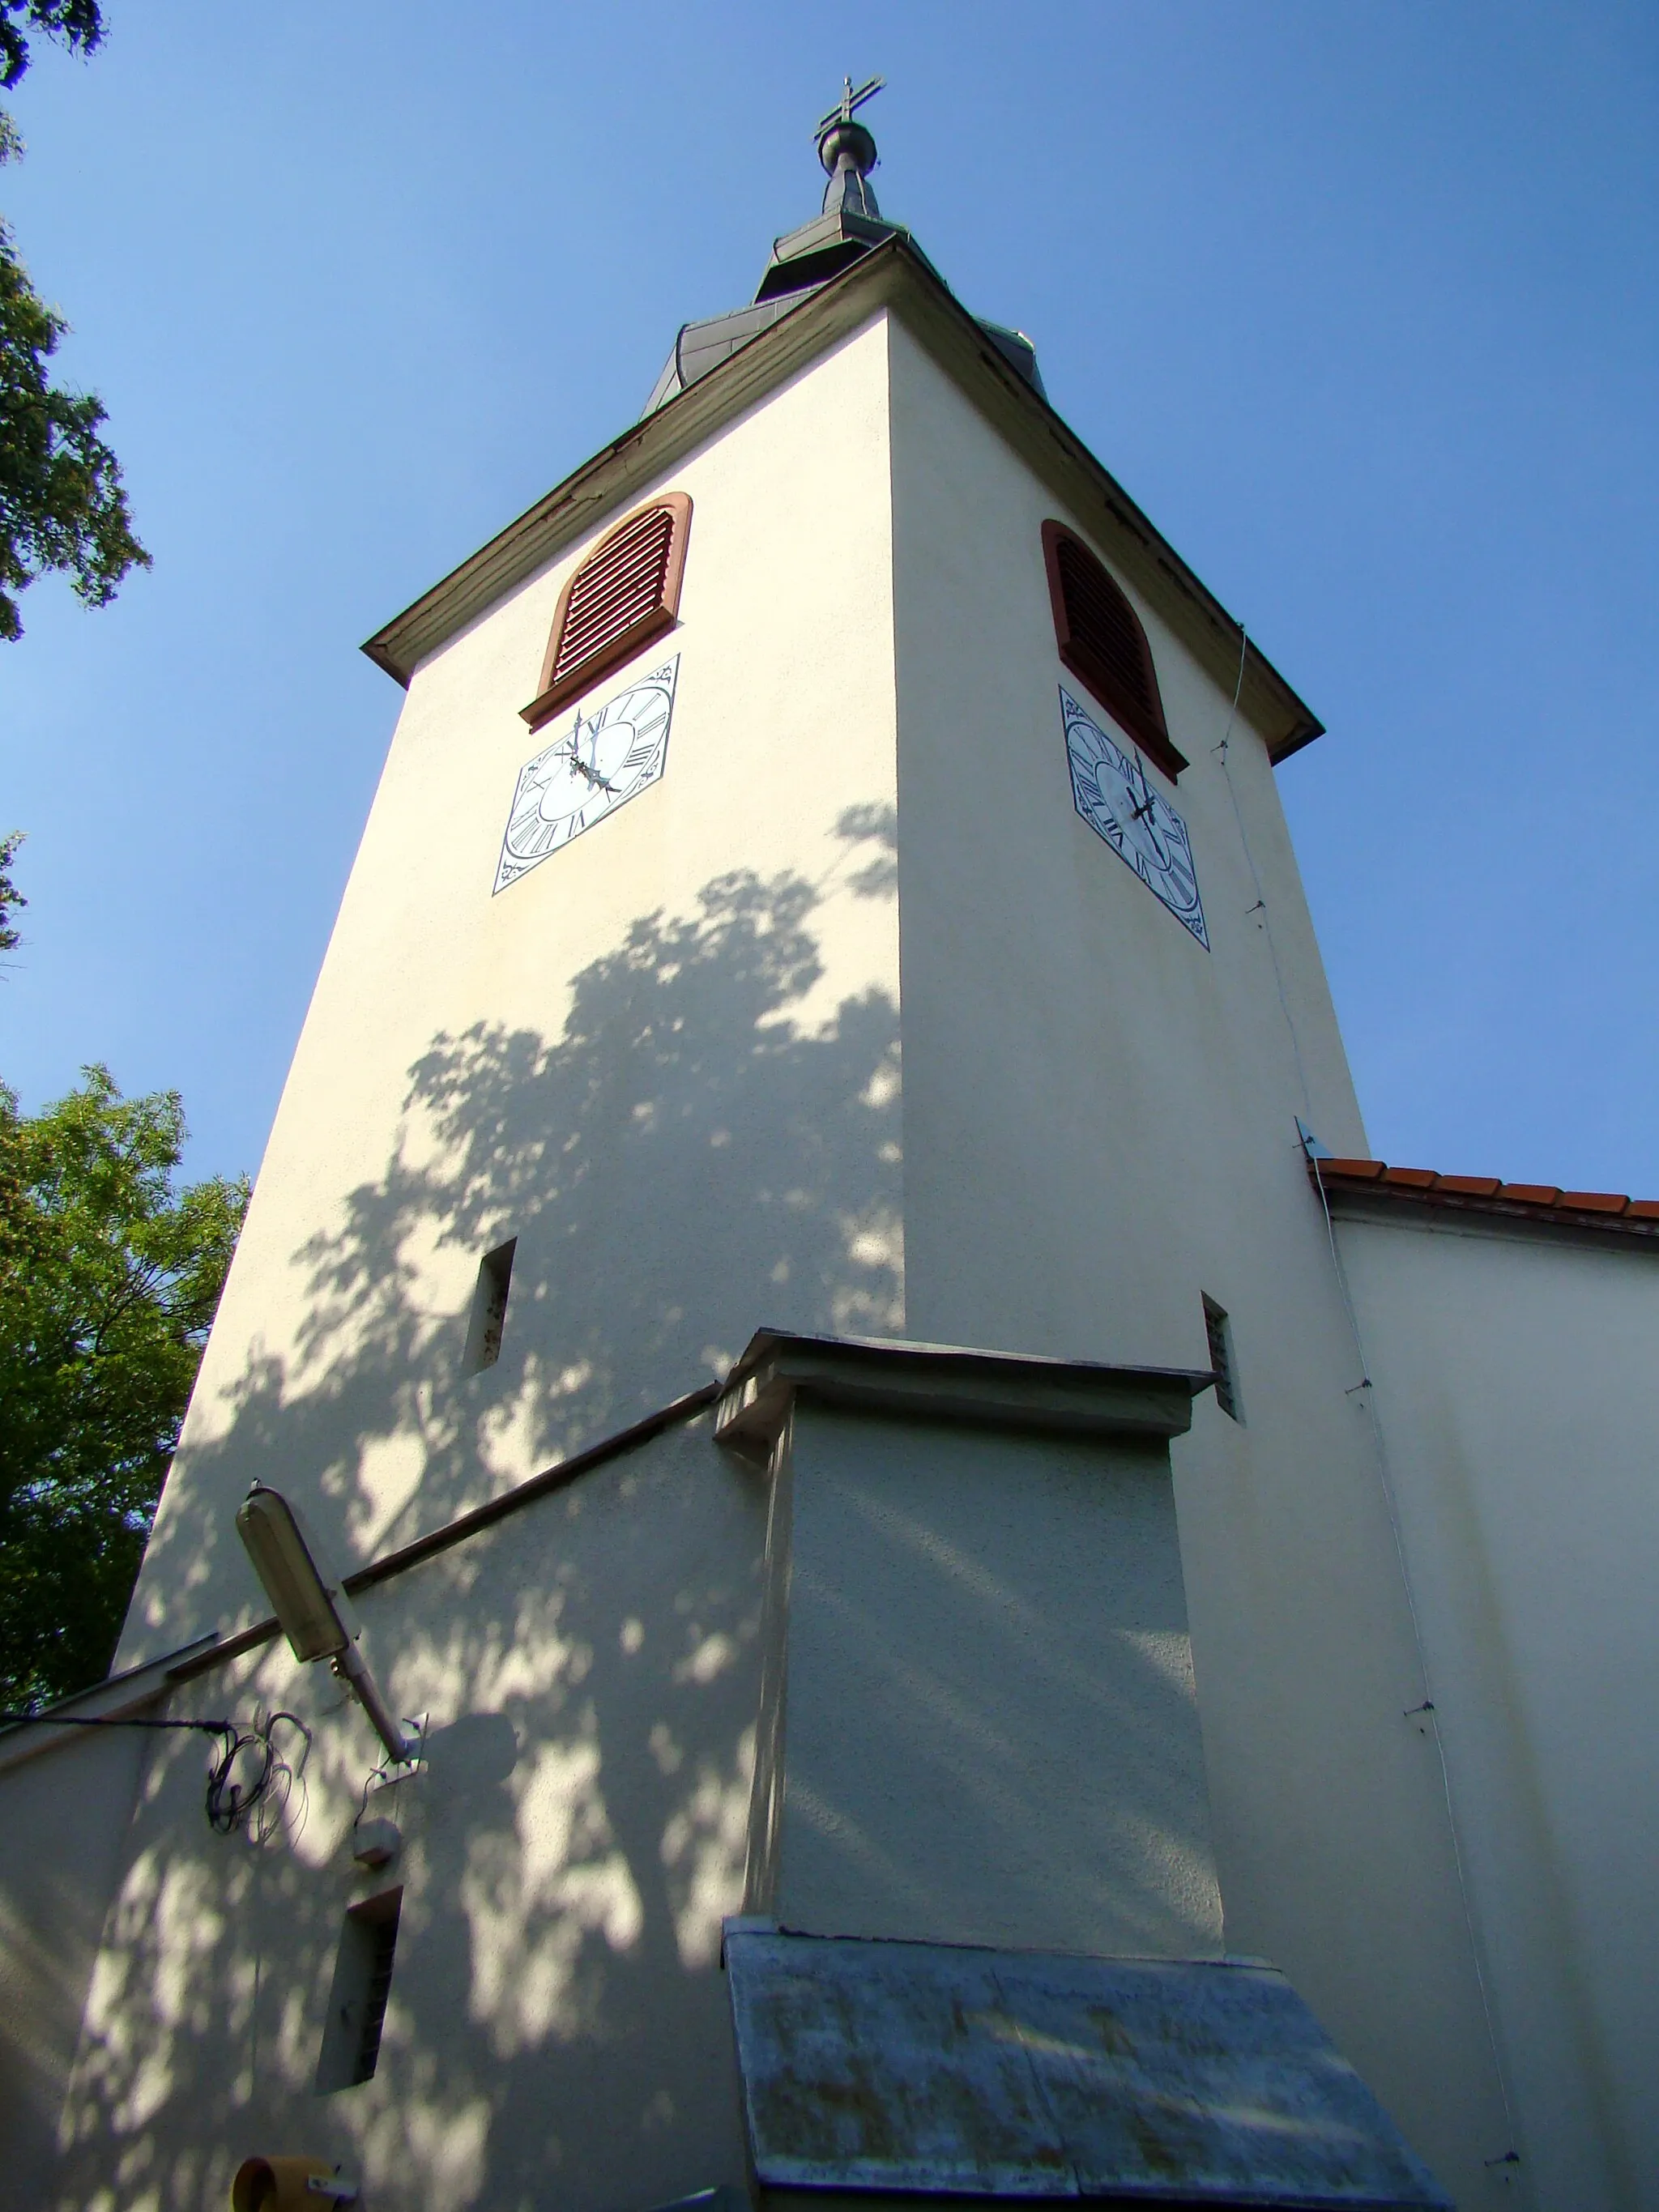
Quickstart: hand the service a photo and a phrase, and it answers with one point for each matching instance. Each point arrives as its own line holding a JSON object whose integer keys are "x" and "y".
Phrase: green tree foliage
{"x": 63, "y": 506}
{"x": 76, "y": 24}
{"x": 110, "y": 1272}
{"x": 10, "y": 897}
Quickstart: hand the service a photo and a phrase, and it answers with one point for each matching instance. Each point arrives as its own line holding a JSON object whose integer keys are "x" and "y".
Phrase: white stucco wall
{"x": 558, "y": 2026}
{"x": 1100, "y": 1127}
{"x": 1513, "y": 1379}
{"x": 665, "y": 1060}
{"x": 990, "y": 1733}
{"x": 64, "y": 1817}
{"x": 668, "y": 1061}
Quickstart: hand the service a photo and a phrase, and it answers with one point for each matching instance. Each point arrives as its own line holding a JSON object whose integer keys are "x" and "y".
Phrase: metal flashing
{"x": 931, "y": 2070}
{"x": 948, "y": 1383}
{"x": 1016, "y": 347}
{"x": 702, "y": 346}
{"x": 824, "y": 246}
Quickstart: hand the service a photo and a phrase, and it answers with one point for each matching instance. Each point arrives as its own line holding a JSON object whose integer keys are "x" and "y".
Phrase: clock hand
{"x": 589, "y": 775}
{"x": 570, "y": 750}
{"x": 595, "y": 781}
{"x": 1147, "y": 812}
{"x": 592, "y": 771}
{"x": 1147, "y": 797}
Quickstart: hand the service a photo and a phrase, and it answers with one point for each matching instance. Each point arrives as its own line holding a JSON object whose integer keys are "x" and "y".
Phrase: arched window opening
{"x": 624, "y": 594}
{"x": 1102, "y": 642}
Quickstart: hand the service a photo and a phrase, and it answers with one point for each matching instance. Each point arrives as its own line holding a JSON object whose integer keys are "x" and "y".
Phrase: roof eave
{"x": 897, "y": 276}
{"x": 1371, "y": 1189}
{"x": 1123, "y": 529}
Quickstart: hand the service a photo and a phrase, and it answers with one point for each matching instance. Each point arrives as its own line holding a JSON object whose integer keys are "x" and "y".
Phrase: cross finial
{"x": 849, "y": 100}
{"x": 849, "y": 153}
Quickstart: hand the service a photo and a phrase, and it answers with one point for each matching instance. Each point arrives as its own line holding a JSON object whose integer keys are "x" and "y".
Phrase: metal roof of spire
{"x": 850, "y": 224}
{"x": 849, "y": 152}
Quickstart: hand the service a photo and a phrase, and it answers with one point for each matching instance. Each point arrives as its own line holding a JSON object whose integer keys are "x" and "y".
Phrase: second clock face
{"x": 1111, "y": 792}
{"x": 601, "y": 763}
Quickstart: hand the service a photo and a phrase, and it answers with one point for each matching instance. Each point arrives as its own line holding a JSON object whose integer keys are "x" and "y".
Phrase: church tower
{"x": 787, "y": 1279}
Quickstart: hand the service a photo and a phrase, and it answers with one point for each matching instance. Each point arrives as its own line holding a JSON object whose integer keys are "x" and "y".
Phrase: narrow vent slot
{"x": 483, "y": 1340}
{"x": 383, "y": 1950}
{"x": 363, "y": 1987}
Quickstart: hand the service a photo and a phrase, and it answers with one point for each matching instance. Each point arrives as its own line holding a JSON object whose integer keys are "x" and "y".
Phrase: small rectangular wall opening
{"x": 358, "y": 2002}
{"x": 1217, "y": 1330}
{"x": 484, "y": 1340}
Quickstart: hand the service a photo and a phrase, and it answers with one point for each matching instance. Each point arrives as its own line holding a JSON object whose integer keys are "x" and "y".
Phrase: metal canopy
{"x": 939, "y": 2069}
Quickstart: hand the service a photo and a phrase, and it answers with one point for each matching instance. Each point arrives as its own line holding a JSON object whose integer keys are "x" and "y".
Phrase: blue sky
{"x": 1359, "y": 302}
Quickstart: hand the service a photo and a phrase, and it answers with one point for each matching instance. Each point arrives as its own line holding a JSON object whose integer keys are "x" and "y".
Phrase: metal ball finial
{"x": 838, "y": 134}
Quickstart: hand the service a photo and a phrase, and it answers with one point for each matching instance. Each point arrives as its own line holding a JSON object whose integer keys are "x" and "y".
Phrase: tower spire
{"x": 848, "y": 152}
{"x": 850, "y": 226}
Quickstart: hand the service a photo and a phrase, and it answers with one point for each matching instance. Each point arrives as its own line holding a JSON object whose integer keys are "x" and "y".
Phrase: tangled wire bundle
{"x": 232, "y": 1800}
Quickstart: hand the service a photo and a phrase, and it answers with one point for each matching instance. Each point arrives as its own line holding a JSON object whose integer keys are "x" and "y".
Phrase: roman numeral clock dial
{"x": 1113, "y": 793}
{"x": 598, "y": 764}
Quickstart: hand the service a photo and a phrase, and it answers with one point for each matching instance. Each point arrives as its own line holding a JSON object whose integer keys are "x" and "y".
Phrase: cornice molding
{"x": 896, "y": 277}
{"x": 948, "y": 1383}
{"x": 892, "y": 277}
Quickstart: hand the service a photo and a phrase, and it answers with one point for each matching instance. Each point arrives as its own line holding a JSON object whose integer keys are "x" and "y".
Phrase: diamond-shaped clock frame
{"x": 592, "y": 765}
{"x": 1112, "y": 792}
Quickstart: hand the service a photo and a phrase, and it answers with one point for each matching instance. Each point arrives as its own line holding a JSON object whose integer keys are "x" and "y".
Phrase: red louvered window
{"x": 624, "y": 594}
{"x": 1102, "y": 642}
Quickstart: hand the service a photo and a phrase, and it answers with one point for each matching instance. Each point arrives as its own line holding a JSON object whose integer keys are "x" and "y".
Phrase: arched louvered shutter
{"x": 624, "y": 594}
{"x": 1102, "y": 642}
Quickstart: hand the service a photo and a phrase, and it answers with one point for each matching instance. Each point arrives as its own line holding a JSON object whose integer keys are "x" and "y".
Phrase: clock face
{"x": 601, "y": 762}
{"x": 1113, "y": 795}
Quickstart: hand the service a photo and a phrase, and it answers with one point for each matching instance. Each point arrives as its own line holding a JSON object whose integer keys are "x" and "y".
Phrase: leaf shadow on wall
{"x": 699, "y": 1076}
{"x": 693, "y": 1155}
{"x": 589, "y": 1670}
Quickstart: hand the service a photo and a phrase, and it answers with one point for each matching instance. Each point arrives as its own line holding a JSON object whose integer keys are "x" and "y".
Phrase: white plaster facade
{"x": 666, "y": 1061}
{"x": 852, "y": 1026}
{"x": 1512, "y": 1371}
{"x": 588, "y": 1672}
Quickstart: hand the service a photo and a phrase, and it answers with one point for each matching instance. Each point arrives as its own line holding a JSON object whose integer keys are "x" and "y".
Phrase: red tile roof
{"x": 1530, "y": 1201}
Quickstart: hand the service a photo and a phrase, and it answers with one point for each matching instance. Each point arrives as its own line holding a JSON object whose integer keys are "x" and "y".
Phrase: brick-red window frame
{"x": 624, "y": 594}
{"x": 1102, "y": 642}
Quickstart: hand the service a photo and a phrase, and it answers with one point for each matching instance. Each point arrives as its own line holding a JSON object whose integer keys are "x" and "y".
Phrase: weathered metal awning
{"x": 937, "y": 2069}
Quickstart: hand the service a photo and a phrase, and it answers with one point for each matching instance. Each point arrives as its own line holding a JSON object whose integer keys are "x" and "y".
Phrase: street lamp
{"x": 312, "y": 1610}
